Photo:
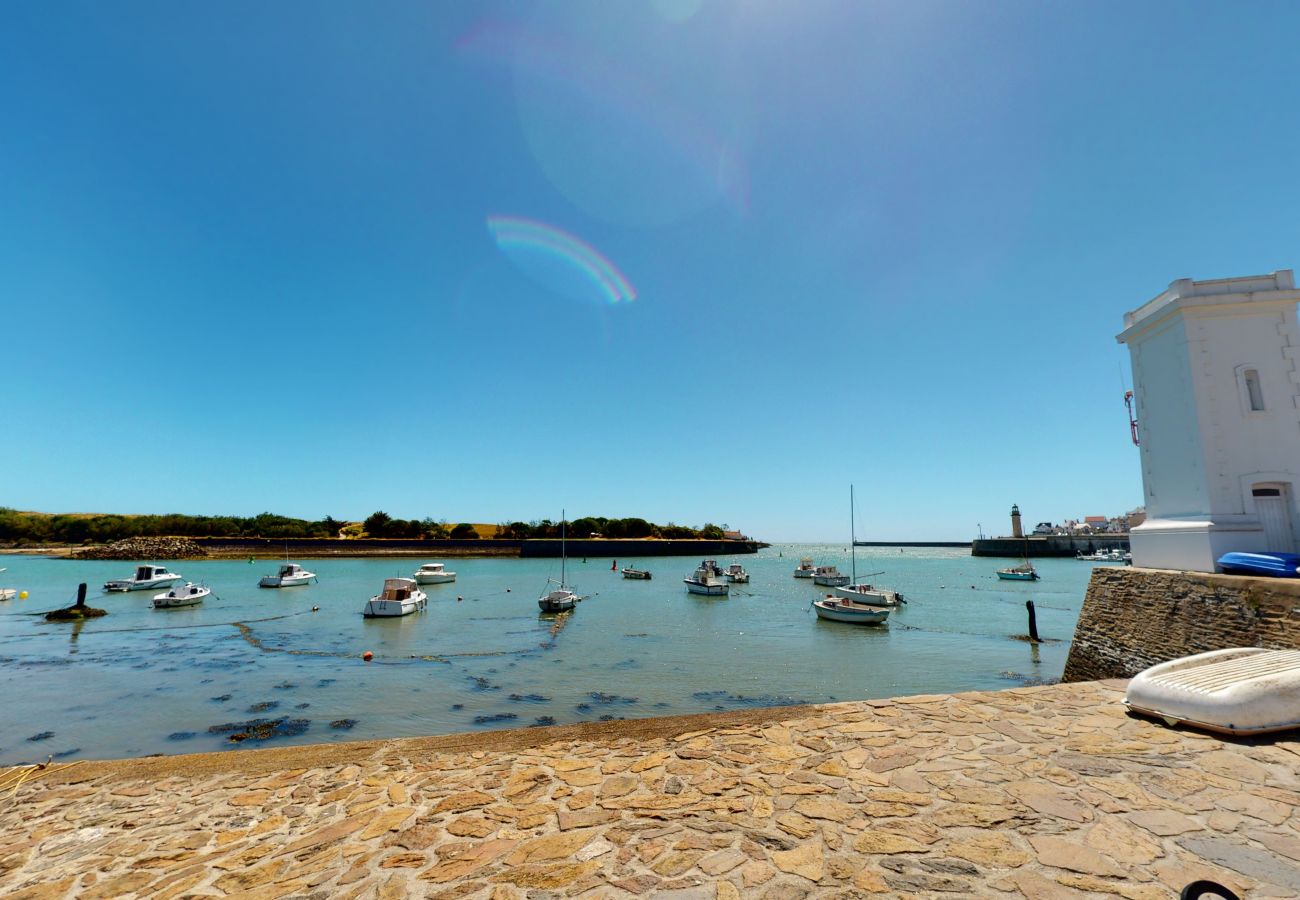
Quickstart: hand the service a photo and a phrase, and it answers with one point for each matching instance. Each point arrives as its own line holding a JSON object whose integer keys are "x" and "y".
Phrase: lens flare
{"x": 516, "y": 233}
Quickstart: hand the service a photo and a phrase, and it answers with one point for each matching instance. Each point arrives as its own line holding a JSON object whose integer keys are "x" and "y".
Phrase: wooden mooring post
{"x": 1033, "y": 621}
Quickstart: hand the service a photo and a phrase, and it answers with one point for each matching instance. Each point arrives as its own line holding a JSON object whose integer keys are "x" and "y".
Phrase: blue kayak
{"x": 1274, "y": 565}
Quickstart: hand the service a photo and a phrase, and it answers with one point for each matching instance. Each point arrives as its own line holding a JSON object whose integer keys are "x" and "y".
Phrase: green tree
{"x": 376, "y": 524}
{"x": 711, "y": 532}
{"x": 464, "y": 531}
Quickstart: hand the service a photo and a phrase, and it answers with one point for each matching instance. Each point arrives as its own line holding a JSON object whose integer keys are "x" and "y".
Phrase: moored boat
{"x": 871, "y": 596}
{"x": 736, "y": 574}
{"x": 640, "y": 574}
{"x": 1245, "y": 690}
{"x": 839, "y": 609}
{"x": 290, "y": 575}
{"x": 400, "y": 597}
{"x": 433, "y": 573}
{"x": 805, "y": 569}
{"x": 707, "y": 580}
{"x": 1023, "y": 572}
{"x": 830, "y": 576}
{"x": 145, "y": 577}
{"x": 8, "y": 593}
{"x": 561, "y": 598}
{"x": 187, "y": 594}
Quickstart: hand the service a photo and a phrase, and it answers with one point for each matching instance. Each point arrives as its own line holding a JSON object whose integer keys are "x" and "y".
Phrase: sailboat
{"x": 855, "y": 590}
{"x": 1023, "y": 572}
{"x": 561, "y": 599}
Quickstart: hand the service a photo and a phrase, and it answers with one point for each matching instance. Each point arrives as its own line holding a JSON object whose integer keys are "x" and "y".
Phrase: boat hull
{"x": 274, "y": 581}
{"x": 442, "y": 578}
{"x": 132, "y": 585}
{"x": 379, "y": 608}
{"x": 1017, "y": 576}
{"x": 1240, "y": 691}
{"x": 865, "y": 593}
{"x": 834, "y": 610}
{"x": 179, "y": 597}
{"x": 636, "y": 574}
{"x": 1275, "y": 565}
{"x": 831, "y": 580}
{"x": 707, "y": 589}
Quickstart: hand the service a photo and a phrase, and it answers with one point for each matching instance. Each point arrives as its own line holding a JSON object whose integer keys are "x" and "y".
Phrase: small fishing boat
{"x": 433, "y": 573}
{"x": 830, "y": 576}
{"x": 707, "y": 580}
{"x": 561, "y": 598}
{"x": 290, "y": 575}
{"x": 1023, "y": 572}
{"x": 805, "y": 569}
{"x": 187, "y": 594}
{"x": 8, "y": 593}
{"x": 736, "y": 574}
{"x": 840, "y": 609}
{"x": 641, "y": 574}
{"x": 145, "y": 577}
{"x": 1273, "y": 565}
{"x": 1245, "y": 690}
{"x": 400, "y": 597}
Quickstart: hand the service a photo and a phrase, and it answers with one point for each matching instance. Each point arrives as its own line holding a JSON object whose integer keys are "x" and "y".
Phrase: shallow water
{"x": 143, "y": 681}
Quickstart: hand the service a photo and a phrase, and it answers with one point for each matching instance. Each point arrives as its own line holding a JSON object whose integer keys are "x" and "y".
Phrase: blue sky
{"x": 245, "y": 261}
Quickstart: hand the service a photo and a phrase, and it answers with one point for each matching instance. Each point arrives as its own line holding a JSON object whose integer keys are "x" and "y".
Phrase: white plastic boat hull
{"x": 275, "y": 581}
{"x": 831, "y": 580}
{"x": 636, "y": 574}
{"x": 865, "y": 593}
{"x": 130, "y": 584}
{"x": 557, "y": 601}
{"x": 707, "y": 588}
{"x": 189, "y": 595}
{"x": 1240, "y": 691}
{"x": 835, "y": 610}
{"x": 8, "y": 593}
{"x": 439, "y": 578}
{"x": 379, "y": 608}
{"x": 803, "y": 573}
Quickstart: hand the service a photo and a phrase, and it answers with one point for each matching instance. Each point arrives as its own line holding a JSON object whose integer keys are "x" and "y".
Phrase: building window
{"x": 1253, "y": 392}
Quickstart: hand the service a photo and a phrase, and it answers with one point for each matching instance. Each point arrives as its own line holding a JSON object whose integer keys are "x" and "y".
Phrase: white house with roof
{"x": 1216, "y": 379}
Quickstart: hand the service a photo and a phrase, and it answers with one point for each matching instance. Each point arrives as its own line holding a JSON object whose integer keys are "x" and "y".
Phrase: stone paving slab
{"x": 1037, "y": 792}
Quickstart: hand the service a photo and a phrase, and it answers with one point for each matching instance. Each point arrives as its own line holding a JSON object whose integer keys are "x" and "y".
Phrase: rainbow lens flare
{"x": 513, "y": 233}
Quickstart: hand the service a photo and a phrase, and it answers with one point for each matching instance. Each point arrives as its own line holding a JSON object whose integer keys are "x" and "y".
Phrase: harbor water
{"x": 143, "y": 681}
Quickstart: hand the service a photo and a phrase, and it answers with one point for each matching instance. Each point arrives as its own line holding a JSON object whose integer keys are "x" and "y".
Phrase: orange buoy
{"x": 367, "y": 656}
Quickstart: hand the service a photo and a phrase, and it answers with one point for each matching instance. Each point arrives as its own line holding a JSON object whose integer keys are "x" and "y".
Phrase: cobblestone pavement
{"x": 1041, "y": 792}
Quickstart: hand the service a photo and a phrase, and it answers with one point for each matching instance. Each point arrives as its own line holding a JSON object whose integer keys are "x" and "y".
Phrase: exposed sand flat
{"x": 1041, "y": 792}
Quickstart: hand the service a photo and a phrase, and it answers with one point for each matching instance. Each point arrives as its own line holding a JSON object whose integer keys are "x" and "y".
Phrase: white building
{"x": 1216, "y": 377}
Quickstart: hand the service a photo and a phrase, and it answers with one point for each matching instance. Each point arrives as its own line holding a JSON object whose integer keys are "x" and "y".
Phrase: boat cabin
{"x": 398, "y": 588}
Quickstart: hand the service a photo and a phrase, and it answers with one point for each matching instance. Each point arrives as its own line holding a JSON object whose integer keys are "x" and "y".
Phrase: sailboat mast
{"x": 853, "y": 539}
{"x": 563, "y": 552}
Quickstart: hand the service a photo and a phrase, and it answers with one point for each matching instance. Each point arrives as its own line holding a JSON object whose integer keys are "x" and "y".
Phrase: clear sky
{"x": 690, "y": 261}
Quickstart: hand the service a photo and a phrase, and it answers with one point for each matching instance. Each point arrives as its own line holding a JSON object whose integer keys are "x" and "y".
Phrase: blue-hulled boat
{"x": 1272, "y": 565}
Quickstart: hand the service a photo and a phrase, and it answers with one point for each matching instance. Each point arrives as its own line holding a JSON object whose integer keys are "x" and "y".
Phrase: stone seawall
{"x": 1047, "y": 545}
{"x": 1136, "y": 618}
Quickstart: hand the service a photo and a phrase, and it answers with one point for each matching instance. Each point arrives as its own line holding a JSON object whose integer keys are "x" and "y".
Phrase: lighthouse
{"x": 1016, "y": 530}
{"x": 1216, "y": 379}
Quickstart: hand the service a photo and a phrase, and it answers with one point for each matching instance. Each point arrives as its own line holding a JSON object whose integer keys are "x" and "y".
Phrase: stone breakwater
{"x": 144, "y": 548}
{"x": 1135, "y": 618}
{"x": 1036, "y": 792}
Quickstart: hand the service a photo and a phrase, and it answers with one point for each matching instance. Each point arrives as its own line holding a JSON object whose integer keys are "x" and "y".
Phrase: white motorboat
{"x": 839, "y": 609}
{"x": 8, "y": 593}
{"x": 561, "y": 598}
{"x": 433, "y": 573}
{"x": 400, "y": 597}
{"x": 805, "y": 569}
{"x": 187, "y": 594}
{"x": 639, "y": 574}
{"x": 1246, "y": 690}
{"x": 290, "y": 575}
{"x": 855, "y": 591}
{"x": 145, "y": 577}
{"x": 707, "y": 580}
{"x": 830, "y": 576}
{"x": 736, "y": 574}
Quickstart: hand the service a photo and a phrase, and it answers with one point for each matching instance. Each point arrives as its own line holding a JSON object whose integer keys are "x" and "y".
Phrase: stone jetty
{"x": 144, "y": 548}
{"x": 1037, "y": 792}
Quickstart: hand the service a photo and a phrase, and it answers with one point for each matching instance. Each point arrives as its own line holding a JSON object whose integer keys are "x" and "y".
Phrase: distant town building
{"x": 1217, "y": 390}
{"x": 733, "y": 536}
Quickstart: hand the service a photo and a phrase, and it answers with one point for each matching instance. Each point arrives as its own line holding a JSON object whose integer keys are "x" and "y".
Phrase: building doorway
{"x": 1273, "y": 507}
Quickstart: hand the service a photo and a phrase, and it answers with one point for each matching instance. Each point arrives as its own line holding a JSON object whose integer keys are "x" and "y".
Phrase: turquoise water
{"x": 143, "y": 681}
